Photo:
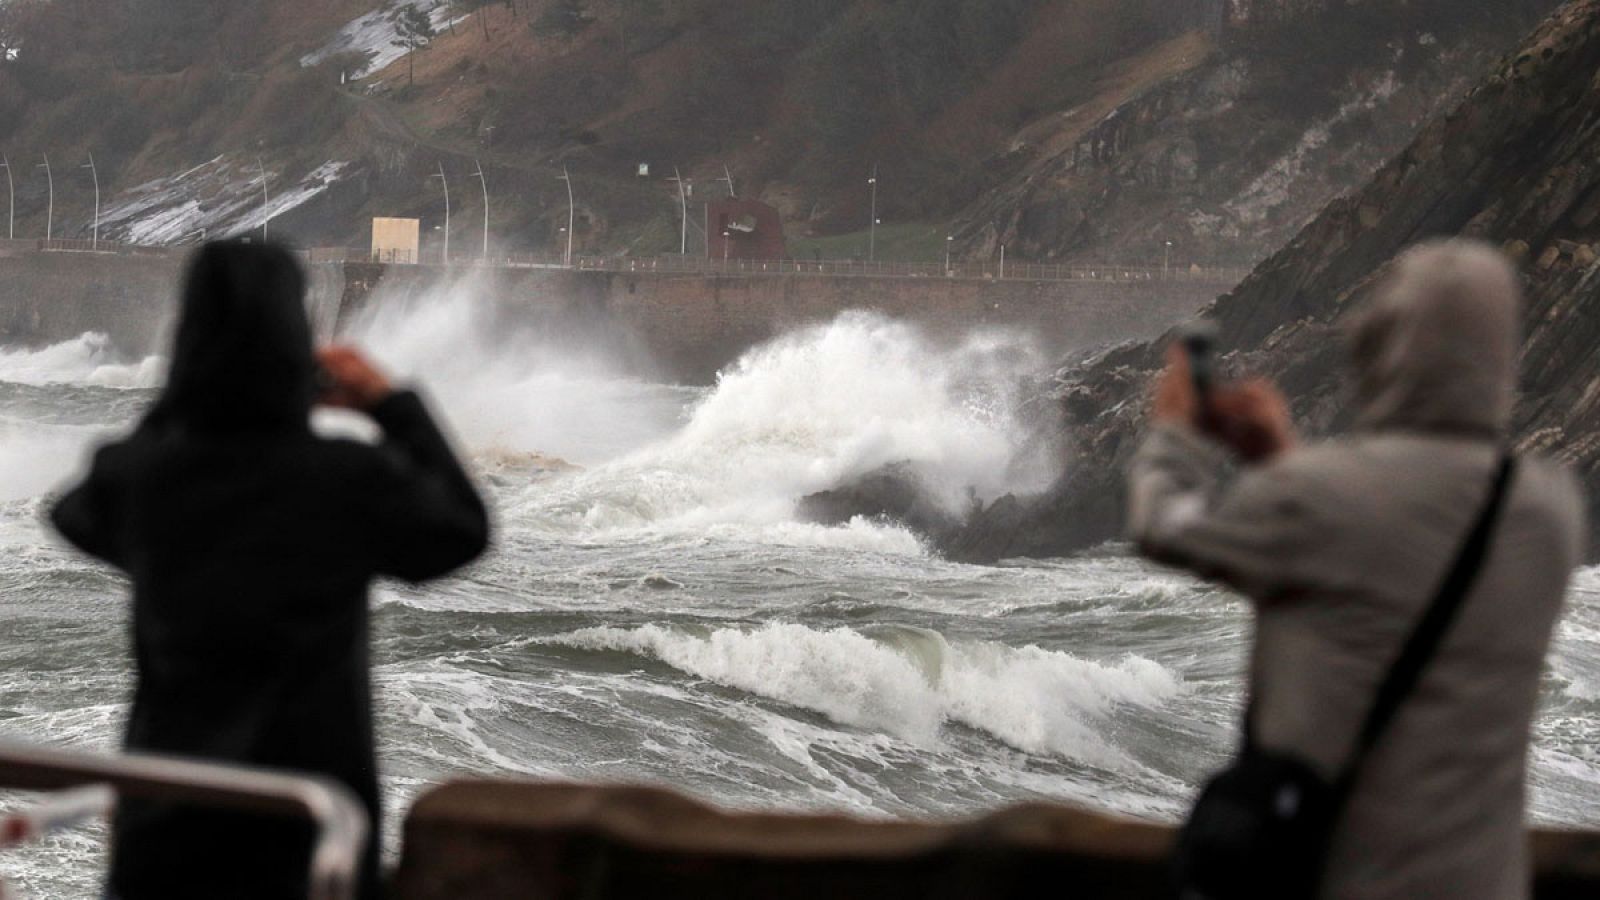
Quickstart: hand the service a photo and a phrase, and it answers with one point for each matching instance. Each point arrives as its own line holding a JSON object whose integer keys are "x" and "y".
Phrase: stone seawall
{"x": 674, "y": 327}
{"x": 687, "y": 327}
{"x": 50, "y": 297}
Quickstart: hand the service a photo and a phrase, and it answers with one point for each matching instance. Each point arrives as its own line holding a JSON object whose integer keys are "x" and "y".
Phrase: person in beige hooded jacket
{"x": 1340, "y": 546}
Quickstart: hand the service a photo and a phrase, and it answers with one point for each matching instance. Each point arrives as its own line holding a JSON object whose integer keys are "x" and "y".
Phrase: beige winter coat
{"x": 1342, "y": 544}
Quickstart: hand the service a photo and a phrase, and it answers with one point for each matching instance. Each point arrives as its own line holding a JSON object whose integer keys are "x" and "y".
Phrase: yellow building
{"x": 395, "y": 240}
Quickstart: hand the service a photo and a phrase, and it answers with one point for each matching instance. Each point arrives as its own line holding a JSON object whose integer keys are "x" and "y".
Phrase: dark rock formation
{"x": 1514, "y": 164}
{"x": 893, "y": 492}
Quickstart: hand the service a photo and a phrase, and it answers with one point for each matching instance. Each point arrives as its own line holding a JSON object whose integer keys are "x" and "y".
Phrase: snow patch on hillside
{"x": 375, "y": 34}
{"x": 219, "y": 198}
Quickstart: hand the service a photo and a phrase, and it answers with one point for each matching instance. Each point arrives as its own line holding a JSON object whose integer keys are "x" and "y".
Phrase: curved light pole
{"x": 446, "y": 182}
{"x": 266, "y": 202}
{"x": 11, "y": 191}
{"x": 50, "y": 211}
{"x": 571, "y": 221}
{"x": 683, "y": 198}
{"x": 94, "y": 243}
{"x": 872, "y": 224}
{"x": 484, "y": 183}
{"x": 728, "y": 177}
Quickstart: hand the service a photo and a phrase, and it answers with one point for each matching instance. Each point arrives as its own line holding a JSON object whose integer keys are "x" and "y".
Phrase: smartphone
{"x": 1199, "y": 343}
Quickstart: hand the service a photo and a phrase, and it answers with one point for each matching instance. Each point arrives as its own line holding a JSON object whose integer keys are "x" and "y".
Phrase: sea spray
{"x": 808, "y": 411}
{"x": 89, "y": 359}
{"x": 513, "y": 389}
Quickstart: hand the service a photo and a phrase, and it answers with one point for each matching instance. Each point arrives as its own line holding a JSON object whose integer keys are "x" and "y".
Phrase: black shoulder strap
{"x": 1424, "y": 641}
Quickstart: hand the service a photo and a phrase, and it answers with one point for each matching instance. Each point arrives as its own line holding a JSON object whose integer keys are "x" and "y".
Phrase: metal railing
{"x": 692, "y": 265}
{"x": 339, "y": 819}
{"x": 831, "y": 268}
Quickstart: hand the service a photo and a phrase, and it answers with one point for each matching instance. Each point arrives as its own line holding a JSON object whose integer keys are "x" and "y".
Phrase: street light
{"x": 571, "y": 221}
{"x": 11, "y": 190}
{"x": 94, "y": 242}
{"x": 484, "y": 183}
{"x": 1002, "y": 260}
{"x": 725, "y": 236}
{"x": 50, "y": 211}
{"x": 446, "y": 182}
{"x": 266, "y": 200}
{"x": 1166, "y": 256}
{"x": 683, "y": 198}
{"x": 872, "y": 224}
{"x": 728, "y": 177}
{"x": 947, "y": 241}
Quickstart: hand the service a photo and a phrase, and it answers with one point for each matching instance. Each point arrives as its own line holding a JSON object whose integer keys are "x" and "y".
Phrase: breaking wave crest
{"x": 911, "y": 682}
{"x": 809, "y": 411}
{"x": 89, "y": 359}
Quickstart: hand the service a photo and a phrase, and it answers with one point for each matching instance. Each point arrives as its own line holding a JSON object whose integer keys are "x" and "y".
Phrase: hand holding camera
{"x": 347, "y": 380}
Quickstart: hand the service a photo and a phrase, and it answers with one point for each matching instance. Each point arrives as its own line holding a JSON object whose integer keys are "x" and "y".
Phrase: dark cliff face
{"x": 1514, "y": 164}
{"x": 1246, "y": 135}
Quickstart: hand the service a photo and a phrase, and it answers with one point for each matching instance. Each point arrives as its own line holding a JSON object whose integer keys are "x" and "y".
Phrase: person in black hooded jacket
{"x": 250, "y": 543}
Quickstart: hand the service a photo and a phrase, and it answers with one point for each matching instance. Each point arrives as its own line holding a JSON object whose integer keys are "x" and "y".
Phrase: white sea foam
{"x": 911, "y": 683}
{"x": 807, "y": 412}
{"x": 87, "y": 359}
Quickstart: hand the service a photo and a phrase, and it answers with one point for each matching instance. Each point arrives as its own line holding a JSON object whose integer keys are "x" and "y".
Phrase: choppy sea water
{"x": 654, "y": 613}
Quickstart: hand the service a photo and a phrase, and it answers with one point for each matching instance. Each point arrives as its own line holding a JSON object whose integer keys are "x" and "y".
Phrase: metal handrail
{"x": 340, "y": 821}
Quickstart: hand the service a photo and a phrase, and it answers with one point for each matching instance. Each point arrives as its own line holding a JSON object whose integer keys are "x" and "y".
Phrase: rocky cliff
{"x": 1245, "y": 136}
{"x": 1513, "y": 164}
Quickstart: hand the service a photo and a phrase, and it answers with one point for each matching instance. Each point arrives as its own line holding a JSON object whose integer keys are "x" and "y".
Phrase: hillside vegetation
{"x": 965, "y": 107}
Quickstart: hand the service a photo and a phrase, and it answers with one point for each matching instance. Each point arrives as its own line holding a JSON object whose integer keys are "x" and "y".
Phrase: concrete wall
{"x": 675, "y": 327}
{"x": 50, "y": 297}
{"x": 688, "y": 327}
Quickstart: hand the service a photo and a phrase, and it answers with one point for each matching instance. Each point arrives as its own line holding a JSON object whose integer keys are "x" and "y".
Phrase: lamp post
{"x": 1166, "y": 256}
{"x": 266, "y": 200}
{"x": 683, "y": 199}
{"x": 484, "y": 183}
{"x": 94, "y": 241}
{"x": 11, "y": 191}
{"x": 446, "y": 182}
{"x": 725, "y": 241}
{"x": 948, "y": 239}
{"x": 1002, "y": 260}
{"x": 50, "y": 210}
{"x": 728, "y": 177}
{"x": 571, "y": 220}
{"x": 872, "y": 224}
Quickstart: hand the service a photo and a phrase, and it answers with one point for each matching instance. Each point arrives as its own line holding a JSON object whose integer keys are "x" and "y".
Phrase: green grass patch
{"x": 912, "y": 242}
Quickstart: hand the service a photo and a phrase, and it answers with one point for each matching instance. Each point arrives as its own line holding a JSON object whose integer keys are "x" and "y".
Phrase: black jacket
{"x": 250, "y": 543}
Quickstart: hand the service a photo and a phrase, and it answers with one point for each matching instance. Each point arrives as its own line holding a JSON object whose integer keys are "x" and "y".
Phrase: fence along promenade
{"x": 691, "y": 265}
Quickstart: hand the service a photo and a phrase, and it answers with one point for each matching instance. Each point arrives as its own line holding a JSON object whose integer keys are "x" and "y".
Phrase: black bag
{"x": 1261, "y": 828}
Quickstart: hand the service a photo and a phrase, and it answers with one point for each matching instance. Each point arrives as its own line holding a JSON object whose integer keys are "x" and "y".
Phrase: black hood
{"x": 242, "y": 360}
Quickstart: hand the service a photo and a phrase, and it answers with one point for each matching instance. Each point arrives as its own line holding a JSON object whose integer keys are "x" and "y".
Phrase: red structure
{"x": 743, "y": 229}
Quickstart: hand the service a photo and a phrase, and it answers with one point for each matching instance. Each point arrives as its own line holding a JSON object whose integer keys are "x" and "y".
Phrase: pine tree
{"x": 413, "y": 31}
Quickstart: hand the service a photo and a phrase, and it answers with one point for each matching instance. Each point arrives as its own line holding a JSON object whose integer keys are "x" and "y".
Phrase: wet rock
{"x": 895, "y": 492}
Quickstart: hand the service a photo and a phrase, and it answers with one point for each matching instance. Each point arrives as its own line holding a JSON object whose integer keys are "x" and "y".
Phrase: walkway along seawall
{"x": 680, "y": 327}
